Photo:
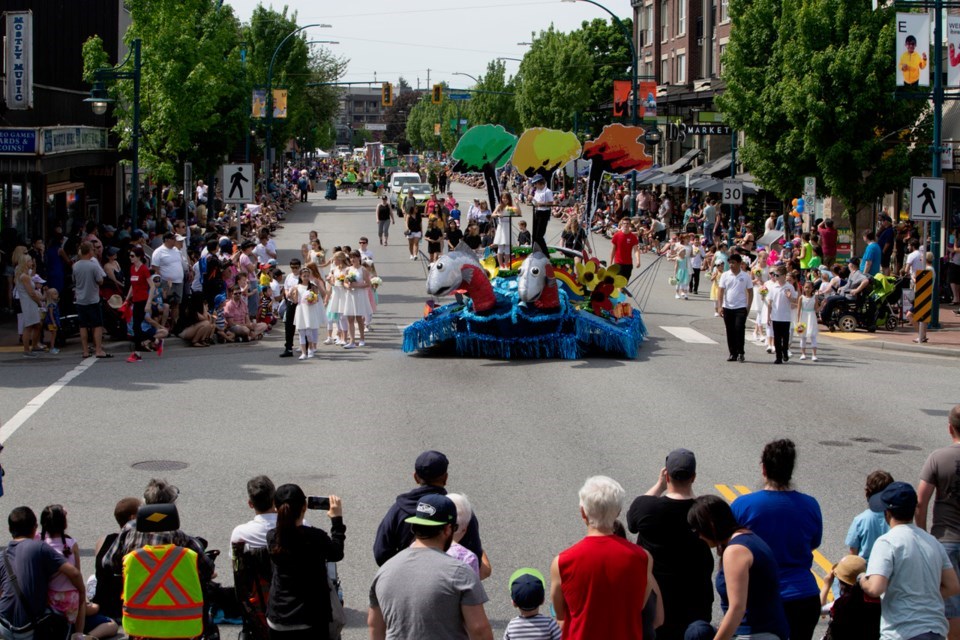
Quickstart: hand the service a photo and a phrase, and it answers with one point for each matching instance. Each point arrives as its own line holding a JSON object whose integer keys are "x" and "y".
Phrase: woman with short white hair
{"x": 458, "y": 551}
{"x": 601, "y": 500}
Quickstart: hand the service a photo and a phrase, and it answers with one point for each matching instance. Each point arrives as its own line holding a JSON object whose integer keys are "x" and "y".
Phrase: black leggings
{"x": 802, "y": 616}
{"x": 539, "y": 231}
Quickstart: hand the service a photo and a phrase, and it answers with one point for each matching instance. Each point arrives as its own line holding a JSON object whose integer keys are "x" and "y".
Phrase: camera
{"x": 318, "y": 503}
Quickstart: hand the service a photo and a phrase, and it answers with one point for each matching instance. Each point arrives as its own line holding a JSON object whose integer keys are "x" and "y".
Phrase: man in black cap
{"x": 420, "y": 593}
{"x": 394, "y": 534}
{"x": 682, "y": 561}
{"x": 910, "y": 569}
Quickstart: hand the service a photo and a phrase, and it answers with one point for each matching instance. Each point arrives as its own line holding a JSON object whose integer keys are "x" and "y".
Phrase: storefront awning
{"x": 682, "y": 163}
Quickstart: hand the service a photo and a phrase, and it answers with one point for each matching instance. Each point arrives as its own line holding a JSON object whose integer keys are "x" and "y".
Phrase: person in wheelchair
{"x": 857, "y": 284}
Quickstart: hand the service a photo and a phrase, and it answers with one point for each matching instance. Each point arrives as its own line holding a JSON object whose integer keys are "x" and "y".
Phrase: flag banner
{"x": 279, "y": 103}
{"x": 913, "y": 49}
{"x": 621, "y": 98}
{"x": 258, "y": 104}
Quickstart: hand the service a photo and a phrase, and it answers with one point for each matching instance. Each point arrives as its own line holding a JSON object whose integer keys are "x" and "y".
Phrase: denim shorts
{"x": 952, "y": 604}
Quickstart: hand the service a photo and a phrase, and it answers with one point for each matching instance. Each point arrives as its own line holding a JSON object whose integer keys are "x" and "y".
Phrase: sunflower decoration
{"x": 588, "y": 272}
{"x": 611, "y": 275}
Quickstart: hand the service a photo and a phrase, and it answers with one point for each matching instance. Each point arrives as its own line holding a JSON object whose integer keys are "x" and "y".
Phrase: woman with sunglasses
{"x": 138, "y": 295}
{"x": 746, "y": 579}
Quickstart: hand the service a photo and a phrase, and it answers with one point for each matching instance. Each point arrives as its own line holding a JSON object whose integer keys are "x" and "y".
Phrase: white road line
{"x": 689, "y": 335}
{"x": 41, "y": 399}
{"x": 402, "y": 327}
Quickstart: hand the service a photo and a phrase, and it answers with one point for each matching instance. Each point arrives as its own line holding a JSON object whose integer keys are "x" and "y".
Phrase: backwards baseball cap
{"x": 897, "y": 495}
{"x": 681, "y": 464}
{"x": 434, "y": 510}
{"x": 430, "y": 465}
{"x": 179, "y": 237}
{"x": 536, "y": 178}
{"x": 527, "y": 588}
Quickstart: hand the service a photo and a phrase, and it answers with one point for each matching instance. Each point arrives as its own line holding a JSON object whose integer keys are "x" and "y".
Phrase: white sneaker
{"x": 789, "y": 353}
{"x": 769, "y": 349}
{"x": 310, "y": 353}
{"x": 716, "y": 315}
{"x": 361, "y": 344}
{"x": 303, "y": 356}
{"x": 803, "y": 356}
{"x": 684, "y": 296}
{"x": 339, "y": 342}
{"x": 328, "y": 341}
{"x": 677, "y": 296}
{"x": 349, "y": 345}
{"x": 413, "y": 257}
{"x": 814, "y": 358}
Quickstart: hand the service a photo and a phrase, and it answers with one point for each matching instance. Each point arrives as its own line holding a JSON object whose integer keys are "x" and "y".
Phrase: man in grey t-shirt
{"x": 422, "y": 592}
{"x": 88, "y": 275}
{"x": 941, "y": 474}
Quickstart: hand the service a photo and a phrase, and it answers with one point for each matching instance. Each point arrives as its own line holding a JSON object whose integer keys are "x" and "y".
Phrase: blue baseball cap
{"x": 430, "y": 465}
{"x": 527, "y": 588}
{"x": 897, "y": 495}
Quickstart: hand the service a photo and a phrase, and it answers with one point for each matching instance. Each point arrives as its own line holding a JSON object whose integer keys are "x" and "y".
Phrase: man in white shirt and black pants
{"x": 542, "y": 201}
{"x": 733, "y": 303}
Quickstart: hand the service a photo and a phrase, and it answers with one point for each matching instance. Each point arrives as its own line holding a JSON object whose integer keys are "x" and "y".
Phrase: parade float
{"x": 550, "y": 303}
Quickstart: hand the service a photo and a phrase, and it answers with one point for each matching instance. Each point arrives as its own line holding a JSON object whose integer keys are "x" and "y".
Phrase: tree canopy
{"x": 555, "y": 80}
{"x": 811, "y": 85}
{"x": 498, "y": 106}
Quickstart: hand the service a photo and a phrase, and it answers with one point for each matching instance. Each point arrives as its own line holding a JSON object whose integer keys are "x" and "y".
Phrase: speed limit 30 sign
{"x": 732, "y": 192}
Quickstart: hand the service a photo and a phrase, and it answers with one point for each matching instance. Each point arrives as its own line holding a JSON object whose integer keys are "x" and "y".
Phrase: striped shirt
{"x": 538, "y": 627}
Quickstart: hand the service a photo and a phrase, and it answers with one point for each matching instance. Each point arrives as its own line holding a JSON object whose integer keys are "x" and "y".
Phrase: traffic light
{"x": 386, "y": 94}
{"x": 437, "y": 94}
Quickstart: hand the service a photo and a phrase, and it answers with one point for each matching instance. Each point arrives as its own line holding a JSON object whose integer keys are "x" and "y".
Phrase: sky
{"x": 393, "y": 38}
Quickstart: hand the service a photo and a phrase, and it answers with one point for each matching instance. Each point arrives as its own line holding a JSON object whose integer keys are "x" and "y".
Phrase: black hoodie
{"x": 394, "y": 535}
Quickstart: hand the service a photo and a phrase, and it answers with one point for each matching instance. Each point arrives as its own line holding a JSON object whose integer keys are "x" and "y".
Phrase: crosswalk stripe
{"x": 818, "y": 557}
{"x": 689, "y": 335}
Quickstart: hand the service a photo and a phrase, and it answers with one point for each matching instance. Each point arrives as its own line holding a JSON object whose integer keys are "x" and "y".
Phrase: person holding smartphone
{"x": 299, "y": 604}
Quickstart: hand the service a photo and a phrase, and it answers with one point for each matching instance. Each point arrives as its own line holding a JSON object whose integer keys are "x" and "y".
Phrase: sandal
{"x": 918, "y": 340}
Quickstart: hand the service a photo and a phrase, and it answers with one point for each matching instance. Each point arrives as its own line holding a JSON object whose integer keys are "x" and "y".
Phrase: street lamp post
{"x": 474, "y": 78}
{"x": 273, "y": 60}
{"x": 99, "y": 100}
{"x": 634, "y": 81}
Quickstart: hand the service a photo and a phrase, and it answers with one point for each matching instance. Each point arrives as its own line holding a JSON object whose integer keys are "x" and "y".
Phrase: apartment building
{"x": 360, "y": 107}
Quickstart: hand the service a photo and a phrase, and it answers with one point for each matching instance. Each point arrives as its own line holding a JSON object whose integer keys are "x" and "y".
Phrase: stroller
{"x": 331, "y": 193}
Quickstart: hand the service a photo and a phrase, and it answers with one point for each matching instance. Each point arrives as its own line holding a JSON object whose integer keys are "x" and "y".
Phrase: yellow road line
{"x": 726, "y": 492}
{"x": 742, "y": 489}
{"x": 825, "y": 564}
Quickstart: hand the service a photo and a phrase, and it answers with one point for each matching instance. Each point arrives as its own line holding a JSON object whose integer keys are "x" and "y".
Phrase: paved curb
{"x": 898, "y": 346}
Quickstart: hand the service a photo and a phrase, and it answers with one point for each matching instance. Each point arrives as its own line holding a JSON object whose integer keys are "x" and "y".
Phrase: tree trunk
{"x": 493, "y": 186}
{"x": 593, "y": 186}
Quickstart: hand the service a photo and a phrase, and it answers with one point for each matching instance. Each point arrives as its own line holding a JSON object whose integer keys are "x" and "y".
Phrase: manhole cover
{"x": 885, "y": 452}
{"x": 835, "y": 443}
{"x": 160, "y": 465}
{"x": 904, "y": 447}
{"x": 864, "y": 439}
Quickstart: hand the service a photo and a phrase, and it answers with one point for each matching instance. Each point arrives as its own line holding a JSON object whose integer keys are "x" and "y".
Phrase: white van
{"x": 397, "y": 180}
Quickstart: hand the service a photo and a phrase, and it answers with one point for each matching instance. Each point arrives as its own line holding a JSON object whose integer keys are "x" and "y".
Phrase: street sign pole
{"x": 936, "y": 152}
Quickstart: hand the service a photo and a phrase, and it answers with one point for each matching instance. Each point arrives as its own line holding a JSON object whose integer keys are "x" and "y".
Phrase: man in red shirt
{"x": 600, "y": 585}
{"x": 626, "y": 249}
{"x": 828, "y": 242}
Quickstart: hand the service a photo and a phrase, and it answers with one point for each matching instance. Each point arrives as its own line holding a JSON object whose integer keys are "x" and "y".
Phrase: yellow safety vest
{"x": 161, "y": 593}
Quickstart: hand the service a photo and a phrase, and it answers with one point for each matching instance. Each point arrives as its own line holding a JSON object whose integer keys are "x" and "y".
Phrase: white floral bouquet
{"x": 376, "y": 281}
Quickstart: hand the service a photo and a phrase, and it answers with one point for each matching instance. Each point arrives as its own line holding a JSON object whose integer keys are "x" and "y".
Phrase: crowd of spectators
{"x": 897, "y": 583}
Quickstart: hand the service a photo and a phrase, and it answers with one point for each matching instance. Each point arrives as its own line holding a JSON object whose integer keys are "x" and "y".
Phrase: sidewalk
{"x": 942, "y": 342}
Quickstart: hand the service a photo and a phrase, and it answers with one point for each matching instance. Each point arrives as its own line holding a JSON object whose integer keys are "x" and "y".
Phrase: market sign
{"x": 18, "y": 141}
{"x": 18, "y": 58}
{"x": 708, "y": 130}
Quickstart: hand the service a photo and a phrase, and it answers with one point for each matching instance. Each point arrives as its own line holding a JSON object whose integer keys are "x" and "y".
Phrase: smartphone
{"x": 318, "y": 503}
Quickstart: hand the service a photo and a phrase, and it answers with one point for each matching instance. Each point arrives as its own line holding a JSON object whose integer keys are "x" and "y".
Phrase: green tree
{"x": 485, "y": 148}
{"x": 555, "y": 82}
{"x": 497, "y": 107}
{"x": 424, "y": 116}
{"x": 191, "y": 84}
{"x": 296, "y": 66}
{"x": 609, "y": 60}
{"x": 395, "y": 116}
{"x": 811, "y": 84}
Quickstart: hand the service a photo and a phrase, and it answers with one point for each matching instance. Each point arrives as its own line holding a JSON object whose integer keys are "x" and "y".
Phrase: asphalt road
{"x": 521, "y": 436}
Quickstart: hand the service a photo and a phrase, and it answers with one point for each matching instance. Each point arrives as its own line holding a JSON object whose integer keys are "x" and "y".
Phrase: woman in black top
{"x": 299, "y": 606}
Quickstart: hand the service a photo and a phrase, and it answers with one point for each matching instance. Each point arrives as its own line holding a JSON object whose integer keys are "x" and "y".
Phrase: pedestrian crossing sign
{"x": 237, "y": 183}
{"x": 926, "y": 199}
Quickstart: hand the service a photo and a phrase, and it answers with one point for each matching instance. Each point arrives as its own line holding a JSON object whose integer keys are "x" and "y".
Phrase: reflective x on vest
{"x": 161, "y": 591}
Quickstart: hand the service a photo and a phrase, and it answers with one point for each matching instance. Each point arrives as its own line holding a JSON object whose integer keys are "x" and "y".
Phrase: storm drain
{"x": 160, "y": 465}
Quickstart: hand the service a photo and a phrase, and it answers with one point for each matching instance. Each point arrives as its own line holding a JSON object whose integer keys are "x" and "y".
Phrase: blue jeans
{"x": 952, "y": 604}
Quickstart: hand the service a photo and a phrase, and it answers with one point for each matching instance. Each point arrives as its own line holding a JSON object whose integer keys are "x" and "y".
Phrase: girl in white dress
{"x": 503, "y": 236}
{"x": 807, "y": 315}
{"x": 336, "y": 298}
{"x": 760, "y": 273}
{"x": 308, "y": 316}
{"x": 356, "y": 305}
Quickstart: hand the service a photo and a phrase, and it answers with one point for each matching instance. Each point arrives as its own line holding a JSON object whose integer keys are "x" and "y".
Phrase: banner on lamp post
{"x": 258, "y": 103}
{"x": 953, "y": 51}
{"x": 647, "y": 100}
{"x": 621, "y": 98}
{"x": 279, "y": 103}
{"x": 913, "y": 49}
{"x": 18, "y": 59}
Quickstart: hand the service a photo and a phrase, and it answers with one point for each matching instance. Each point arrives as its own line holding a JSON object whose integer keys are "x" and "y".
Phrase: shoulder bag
{"x": 49, "y": 626}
